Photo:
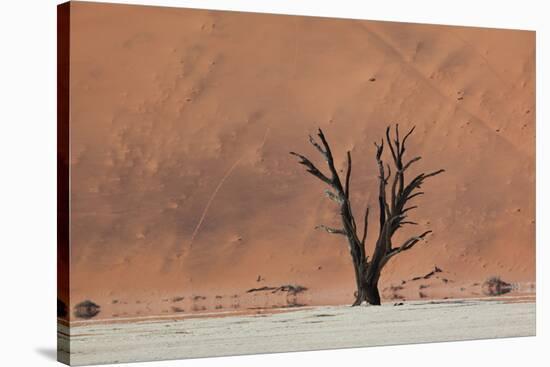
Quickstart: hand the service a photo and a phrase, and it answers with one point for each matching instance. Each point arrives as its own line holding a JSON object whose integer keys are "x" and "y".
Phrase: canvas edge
{"x": 63, "y": 182}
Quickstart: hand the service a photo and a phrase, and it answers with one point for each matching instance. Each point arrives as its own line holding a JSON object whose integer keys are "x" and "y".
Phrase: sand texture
{"x": 184, "y": 196}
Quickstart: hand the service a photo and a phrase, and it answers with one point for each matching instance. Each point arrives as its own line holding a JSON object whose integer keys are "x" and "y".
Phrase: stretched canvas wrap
{"x": 235, "y": 183}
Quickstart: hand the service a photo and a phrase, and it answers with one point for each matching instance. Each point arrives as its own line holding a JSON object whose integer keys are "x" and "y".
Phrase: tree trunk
{"x": 371, "y": 293}
{"x": 366, "y": 279}
{"x": 359, "y": 283}
{"x": 367, "y": 290}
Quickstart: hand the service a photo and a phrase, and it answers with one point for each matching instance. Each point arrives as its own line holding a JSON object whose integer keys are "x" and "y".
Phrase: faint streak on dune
{"x": 203, "y": 215}
{"x": 220, "y": 184}
{"x": 264, "y": 139}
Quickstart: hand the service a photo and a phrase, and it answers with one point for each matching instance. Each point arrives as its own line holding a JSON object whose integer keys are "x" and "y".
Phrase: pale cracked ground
{"x": 304, "y": 329}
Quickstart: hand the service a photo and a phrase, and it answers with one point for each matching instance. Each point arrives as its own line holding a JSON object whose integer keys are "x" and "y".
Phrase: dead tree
{"x": 393, "y": 209}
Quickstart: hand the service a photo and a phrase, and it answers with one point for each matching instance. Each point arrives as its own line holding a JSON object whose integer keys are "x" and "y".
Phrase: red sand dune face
{"x": 182, "y": 121}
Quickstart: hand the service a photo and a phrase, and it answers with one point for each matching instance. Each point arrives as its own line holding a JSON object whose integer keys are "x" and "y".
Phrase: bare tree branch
{"x": 365, "y": 226}
{"x": 330, "y": 161}
{"x": 348, "y": 175}
{"x": 390, "y": 144}
{"x": 332, "y": 196}
{"x": 332, "y": 230}
{"x": 415, "y": 195}
{"x": 389, "y": 174}
{"x": 382, "y": 185}
{"x": 434, "y": 173}
{"x": 393, "y": 188}
{"x": 408, "y": 244}
{"x": 312, "y": 169}
{"x": 398, "y": 150}
{"x": 405, "y": 139}
{"x": 409, "y": 208}
{"x": 408, "y": 164}
{"x": 317, "y": 146}
{"x": 404, "y": 247}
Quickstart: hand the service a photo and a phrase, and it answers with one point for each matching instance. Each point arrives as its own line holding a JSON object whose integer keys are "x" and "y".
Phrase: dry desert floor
{"x": 301, "y": 329}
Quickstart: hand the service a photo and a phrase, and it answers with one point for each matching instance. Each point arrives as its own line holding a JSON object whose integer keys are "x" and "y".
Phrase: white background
{"x": 28, "y": 181}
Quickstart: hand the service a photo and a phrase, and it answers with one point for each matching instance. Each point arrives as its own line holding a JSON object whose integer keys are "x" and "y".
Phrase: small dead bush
{"x": 86, "y": 309}
{"x": 494, "y": 286}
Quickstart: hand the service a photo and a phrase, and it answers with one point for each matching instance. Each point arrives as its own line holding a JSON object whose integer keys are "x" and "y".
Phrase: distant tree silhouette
{"x": 393, "y": 210}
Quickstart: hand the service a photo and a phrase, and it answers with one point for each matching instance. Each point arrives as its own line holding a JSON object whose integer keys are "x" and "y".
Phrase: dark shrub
{"x": 494, "y": 286}
{"x": 86, "y": 309}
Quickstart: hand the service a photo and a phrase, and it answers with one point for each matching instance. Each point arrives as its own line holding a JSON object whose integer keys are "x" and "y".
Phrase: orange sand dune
{"x": 181, "y": 181}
